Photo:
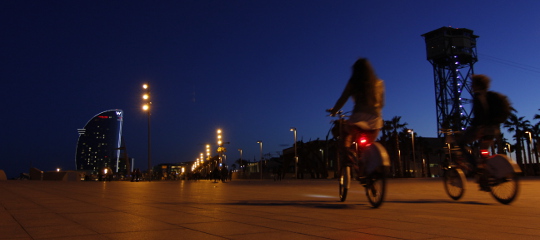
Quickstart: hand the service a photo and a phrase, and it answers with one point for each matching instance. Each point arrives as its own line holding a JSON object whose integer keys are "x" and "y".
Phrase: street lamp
{"x": 322, "y": 156}
{"x": 530, "y": 147}
{"x": 411, "y": 131}
{"x": 240, "y": 163}
{"x": 240, "y": 150}
{"x": 220, "y": 146}
{"x": 508, "y": 150}
{"x": 293, "y": 129}
{"x": 260, "y": 162}
{"x": 146, "y": 107}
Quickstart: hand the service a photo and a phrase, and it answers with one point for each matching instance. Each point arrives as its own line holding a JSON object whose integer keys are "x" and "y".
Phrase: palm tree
{"x": 535, "y": 131}
{"x": 536, "y": 135}
{"x": 519, "y": 126}
{"x": 393, "y": 127}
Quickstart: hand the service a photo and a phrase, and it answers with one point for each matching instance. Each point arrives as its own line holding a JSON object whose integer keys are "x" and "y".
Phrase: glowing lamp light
{"x": 145, "y": 107}
{"x": 484, "y": 152}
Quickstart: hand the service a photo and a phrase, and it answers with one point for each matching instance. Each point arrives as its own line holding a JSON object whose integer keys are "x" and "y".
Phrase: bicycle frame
{"x": 364, "y": 148}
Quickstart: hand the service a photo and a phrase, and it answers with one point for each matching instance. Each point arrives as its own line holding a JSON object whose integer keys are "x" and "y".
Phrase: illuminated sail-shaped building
{"x": 99, "y": 143}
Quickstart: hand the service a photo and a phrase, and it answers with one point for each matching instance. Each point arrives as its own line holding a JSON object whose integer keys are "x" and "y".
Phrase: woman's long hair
{"x": 363, "y": 81}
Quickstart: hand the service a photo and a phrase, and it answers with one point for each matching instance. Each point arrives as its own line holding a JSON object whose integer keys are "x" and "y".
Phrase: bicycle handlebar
{"x": 338, "y": 113}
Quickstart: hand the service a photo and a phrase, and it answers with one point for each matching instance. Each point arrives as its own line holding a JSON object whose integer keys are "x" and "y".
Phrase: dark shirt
{"x": 480, "y": 109}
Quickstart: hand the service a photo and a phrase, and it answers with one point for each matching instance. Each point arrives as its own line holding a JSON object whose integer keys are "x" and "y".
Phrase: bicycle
{"x": 375, "y": 160}
{"x": 499, "y": 175}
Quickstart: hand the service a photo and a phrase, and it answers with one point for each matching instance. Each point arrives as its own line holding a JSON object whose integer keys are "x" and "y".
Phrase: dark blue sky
{"x": 251, "y": 68}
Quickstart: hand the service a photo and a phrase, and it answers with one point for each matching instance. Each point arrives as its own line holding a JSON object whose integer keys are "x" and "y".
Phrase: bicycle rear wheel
{"x": 344, "y": 182}
{"x": 506, "y": 189}
{"x": 376, "y": 188}
{"x": 454, "y": 183}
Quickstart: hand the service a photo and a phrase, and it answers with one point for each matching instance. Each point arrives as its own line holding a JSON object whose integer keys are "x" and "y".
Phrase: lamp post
{"x": 240, "y": 162}
{"x": 508, "y": 150}
{"x": 219, "y": 144}
{"x": 322, "y": 156}
{"x": 260, "y": 162}
{"x": 146, "y": 107}
{"x": 207, "y": 152}
{"x": 293, "y": 129}
{"x": 411, "y": 131}
{"x": 529, "y": 147}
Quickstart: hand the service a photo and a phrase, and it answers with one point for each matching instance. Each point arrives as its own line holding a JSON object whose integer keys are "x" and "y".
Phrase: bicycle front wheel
{"x": 344, "y": 182}
{"x": 454, "y": 183}
{"x": 506, "y": 189}
{"x": 376, "y": 188}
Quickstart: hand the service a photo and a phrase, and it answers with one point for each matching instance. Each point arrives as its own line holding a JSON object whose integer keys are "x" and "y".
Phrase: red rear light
{"x": 484, "y": 152}
{"x": 363, "y": 141}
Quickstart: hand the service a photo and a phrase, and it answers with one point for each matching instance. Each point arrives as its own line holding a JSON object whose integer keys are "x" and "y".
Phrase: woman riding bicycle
{"x": 367, "y": 92}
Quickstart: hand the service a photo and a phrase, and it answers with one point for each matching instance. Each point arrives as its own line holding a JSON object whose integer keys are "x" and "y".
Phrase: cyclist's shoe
{"x": 362, "y": 180}
{"x": 482, "y": 180}
{"x": 485, "y": 187}
{"x": 466, "y": 166}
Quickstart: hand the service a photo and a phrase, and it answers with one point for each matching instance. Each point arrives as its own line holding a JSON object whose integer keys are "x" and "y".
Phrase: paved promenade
{"x": 259, "y": 209}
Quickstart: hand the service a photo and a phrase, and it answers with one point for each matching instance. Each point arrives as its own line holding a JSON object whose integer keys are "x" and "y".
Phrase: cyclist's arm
{"x": 341, "y": 100}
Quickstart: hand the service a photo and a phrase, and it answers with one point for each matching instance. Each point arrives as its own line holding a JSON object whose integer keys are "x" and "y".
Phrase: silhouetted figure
{"x": 136, "y": 175}
{"x": 367, "y": 92}
{"x": 224, "y": 174}
{"x": 485, "y": 125}
{"x": 216, "y": 174}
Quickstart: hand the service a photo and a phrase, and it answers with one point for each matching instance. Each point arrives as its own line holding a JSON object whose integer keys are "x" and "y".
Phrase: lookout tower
{"x": 452, "y": 52}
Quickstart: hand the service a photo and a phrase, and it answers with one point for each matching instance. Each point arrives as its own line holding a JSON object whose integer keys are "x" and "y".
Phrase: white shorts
{"x": 366, "y": 121}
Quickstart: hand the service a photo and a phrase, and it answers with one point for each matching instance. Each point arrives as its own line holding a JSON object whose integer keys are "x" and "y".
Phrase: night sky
{"x": 252, "y": 68}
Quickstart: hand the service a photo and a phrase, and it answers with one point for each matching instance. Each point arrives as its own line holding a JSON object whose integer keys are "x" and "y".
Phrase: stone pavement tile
{"x": 273, "y": 235}
{"x": 183, "y": 218}
{"x": 338, "y": 225}
{"x": 519, "y": 221}
{"x": 111, "y": 222}
{"x": 476, "y": 231}
{"x": 397, "y": 224}
{"x": 292, "y": 226}
{"x": 290, "y": 218}
{"x": 55, "y": 231}
{"x": 76, "y": 207}
{"x": 447, "y": 238}
{"x": 270, "y": 218}
{"x": 40, "y": 219}
{"x": 79, "y": 237}
{"x": 184, "y": 234}
{"x": 396, "y": 233}
{"x": 342, "y": 235}
{"x": 143, "y": 210}
{"x": 226, "y": 228}
{"x": 12, "y": 230}
{"x": 9, "y": 227}
{"x": 18, "y": 203}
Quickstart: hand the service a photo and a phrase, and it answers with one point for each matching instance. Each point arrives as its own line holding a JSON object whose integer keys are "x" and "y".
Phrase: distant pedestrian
{"x": 224, "y": 174}
{"x": 136, "y": 175}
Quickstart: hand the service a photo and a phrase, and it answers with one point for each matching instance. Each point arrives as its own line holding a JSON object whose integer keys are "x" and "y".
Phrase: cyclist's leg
{"x": 488, "y": 135}
{"x": 371, "y": 136}
{"x": 349, "y": 149}
{"x": 472, "y": 134}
